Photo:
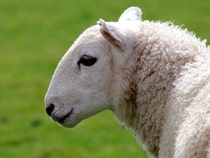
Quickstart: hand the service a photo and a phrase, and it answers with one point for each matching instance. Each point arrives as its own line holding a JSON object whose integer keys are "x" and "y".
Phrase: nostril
{"x": 50, "y": 109}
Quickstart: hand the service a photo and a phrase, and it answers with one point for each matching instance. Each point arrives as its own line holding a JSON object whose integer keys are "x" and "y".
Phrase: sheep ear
{"x": 112, "y": 34}
{"x": 131, "y": 14}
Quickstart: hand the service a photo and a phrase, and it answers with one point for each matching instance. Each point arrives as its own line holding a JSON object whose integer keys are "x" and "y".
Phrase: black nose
{"x": 50, "y": 109}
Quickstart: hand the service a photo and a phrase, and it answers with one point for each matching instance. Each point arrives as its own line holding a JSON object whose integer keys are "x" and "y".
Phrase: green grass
{"x": 34, "y": 35}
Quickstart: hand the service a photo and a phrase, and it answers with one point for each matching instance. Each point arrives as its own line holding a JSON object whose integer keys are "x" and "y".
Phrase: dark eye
{"x": 87, "y": 60}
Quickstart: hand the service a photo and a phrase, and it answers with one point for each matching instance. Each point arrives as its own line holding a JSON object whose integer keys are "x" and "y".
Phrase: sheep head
{"x": 84, "y": 82}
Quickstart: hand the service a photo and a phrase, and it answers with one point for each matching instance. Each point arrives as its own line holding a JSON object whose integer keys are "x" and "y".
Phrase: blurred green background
{"x": 34, "y": 35}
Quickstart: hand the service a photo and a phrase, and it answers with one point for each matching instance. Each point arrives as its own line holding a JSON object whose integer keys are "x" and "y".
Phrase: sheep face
{"x": 84, "y": 81}
{"x": 80, "y": 85}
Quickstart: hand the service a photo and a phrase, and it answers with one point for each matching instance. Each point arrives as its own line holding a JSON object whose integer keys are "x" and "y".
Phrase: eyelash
{"x": 87, "y": 60}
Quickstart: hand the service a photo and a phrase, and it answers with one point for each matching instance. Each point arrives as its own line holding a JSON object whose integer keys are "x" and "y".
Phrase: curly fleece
{"x": 167, "y": 101}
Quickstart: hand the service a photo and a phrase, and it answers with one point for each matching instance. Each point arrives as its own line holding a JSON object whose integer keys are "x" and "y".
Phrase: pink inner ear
{"x": 111, "y": 39}
{"x": 108, "y": 36}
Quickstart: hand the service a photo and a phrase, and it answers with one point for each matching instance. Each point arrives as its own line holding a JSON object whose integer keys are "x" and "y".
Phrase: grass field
{"x": 34, "y": 35}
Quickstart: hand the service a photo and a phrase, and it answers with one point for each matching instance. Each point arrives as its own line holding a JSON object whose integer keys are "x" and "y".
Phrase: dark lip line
{"x": 61, "y": 120}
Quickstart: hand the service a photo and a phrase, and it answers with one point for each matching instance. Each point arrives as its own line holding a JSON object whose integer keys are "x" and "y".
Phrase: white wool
{"x": 154, "y": 77}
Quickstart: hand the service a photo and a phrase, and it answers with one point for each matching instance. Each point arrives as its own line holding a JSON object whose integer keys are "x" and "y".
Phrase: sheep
{"x": 154, "y": 76}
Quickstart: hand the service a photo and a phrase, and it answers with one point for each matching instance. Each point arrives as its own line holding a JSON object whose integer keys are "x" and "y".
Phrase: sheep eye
{"x": 87, "y": 60}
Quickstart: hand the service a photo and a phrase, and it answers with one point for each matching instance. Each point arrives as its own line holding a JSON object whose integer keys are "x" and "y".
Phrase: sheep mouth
{"x": 62, "y": 119}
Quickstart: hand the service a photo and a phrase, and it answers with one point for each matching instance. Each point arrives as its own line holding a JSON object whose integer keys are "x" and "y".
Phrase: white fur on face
{"x": 76, "y": 90}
